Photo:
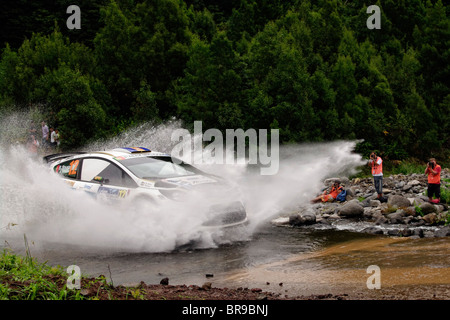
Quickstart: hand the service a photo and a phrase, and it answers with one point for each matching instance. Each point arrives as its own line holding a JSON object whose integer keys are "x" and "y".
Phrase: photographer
{"x": 433, "y": 171}
{"x": 332, "y": 195}
{"x": 376, "y": 163}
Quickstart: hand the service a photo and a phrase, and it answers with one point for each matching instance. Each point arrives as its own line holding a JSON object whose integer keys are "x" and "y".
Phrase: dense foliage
{"x": 312, "y": 69}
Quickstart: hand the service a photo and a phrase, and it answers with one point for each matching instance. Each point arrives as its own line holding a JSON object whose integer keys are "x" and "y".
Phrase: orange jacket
{"x": 377, "y": 169}
{"x": 335, "y": 191}
{"x": 434, "y": 178}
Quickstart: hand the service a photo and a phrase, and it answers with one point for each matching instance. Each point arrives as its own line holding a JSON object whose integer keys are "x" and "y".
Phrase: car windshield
{"x": 157, "y": 167}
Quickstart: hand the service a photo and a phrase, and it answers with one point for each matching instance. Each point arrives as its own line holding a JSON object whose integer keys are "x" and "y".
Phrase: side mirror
{"x": 99, "y": 179}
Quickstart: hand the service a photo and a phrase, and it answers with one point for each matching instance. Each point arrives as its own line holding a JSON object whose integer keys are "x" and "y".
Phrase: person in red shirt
{"x": 376, "y": 164}
{"x": 433, "y": 171}
{"x": 331, "y": 196}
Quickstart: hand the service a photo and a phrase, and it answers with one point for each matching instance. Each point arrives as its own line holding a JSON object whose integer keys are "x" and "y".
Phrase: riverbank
{"x": 23, "y": 278}
{"x": 406, "y": 211}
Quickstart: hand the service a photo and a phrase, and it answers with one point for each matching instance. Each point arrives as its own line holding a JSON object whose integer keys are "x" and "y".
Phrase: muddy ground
{"x": 99, "y": 289}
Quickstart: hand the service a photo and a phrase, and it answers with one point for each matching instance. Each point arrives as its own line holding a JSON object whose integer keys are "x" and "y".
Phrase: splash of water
{"x": 36, "y": 202}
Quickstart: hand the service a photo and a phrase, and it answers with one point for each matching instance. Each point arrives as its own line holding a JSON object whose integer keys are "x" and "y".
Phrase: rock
{"x": 439, "y": 208}
{"x": 381, "y": 220}
{"x": 410, "y": 211}
{"x": 400, "y": 185}
{"x": 303, "y": 218}
{"x": 330, "y": 181}
{"x": 369, "y": 212}
{"x": 295, "y": 220}
{"x": 443, "y": 232}
{"x": 164, "y": 281}
{"x": 309, "y": 216}
{"x": 351, "y": 209}
{"x": 207, "y": 286}
{"x": 398, "y": 201}
{"x": 430, "y": 218}
{"x": 281, "y": 221}
{"x": 442, "y": 216}
{"x": 407, "y": 187}
{"x": 374, "y": 203}
{"x": 413, "y": 183}
{"x": 427, "y": 208}
{"x": 334, "y": 216}
{"x": 416, "y": 201}
{"x": 372, "y": 230}
{"x": 393, "y": 232}
{"x": 396, "y": 217}
{"x": 418, "y": 232}
{"x": 405, "y": 232}
{"x": 351, "y": 192}
{"x": 408, "y": 219}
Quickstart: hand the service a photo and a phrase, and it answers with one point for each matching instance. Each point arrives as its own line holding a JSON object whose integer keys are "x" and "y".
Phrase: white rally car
{"x": 146, "y": 177}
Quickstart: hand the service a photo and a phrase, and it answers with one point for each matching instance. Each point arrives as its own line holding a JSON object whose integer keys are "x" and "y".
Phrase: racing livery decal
{"x": 113, "y": 192}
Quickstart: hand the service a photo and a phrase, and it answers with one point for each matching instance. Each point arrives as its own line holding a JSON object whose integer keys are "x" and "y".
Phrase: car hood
{"x": 189, "y": 182}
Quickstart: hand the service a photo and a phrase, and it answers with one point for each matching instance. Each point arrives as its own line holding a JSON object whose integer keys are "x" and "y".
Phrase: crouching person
{"x": 329, "y": 196}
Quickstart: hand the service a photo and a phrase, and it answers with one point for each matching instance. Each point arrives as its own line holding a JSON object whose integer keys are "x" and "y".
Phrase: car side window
{"x": 101, "y": 170}
{"x": 68, "y": 169}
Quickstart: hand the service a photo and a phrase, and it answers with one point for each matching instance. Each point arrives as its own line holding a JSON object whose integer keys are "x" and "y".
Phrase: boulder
{"x": 374, "y": 203}
{"x": 393, "y": 232}
{"x": 303, "y": 218}
{"x": 381, "y": 220}
{"x": 396, "y": 217}
{"x": 418, "y": 232}
{"x": 351, "y": 209}
{"x": 400, "y": 184}
{"x": 416, "y": 201}
{"x": 414, "y": 183}
{"x": 406, "y": 232}
{"x": 427, "y": 208}
{"x": 351, "y": 191}
{"x": 368, "y": 212}
{"x": 398, "y": 201}
{"x": 372, "y": 230}
{"x": 443, "y": 232}
{"x": 407, "y": 187}
{"x": 309, "y": 216}
{"x": 430, "y": 218}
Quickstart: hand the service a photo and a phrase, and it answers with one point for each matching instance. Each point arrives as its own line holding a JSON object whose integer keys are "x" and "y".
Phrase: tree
{"x": 210, "y": 89}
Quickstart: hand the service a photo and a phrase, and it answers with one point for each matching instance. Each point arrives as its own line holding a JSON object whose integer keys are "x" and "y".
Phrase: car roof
{"x": 130, "y": 152}
{"x": 116, "y": 154}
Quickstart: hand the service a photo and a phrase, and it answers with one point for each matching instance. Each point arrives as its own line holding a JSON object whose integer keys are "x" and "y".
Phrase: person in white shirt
{"x": 52, "y": 138}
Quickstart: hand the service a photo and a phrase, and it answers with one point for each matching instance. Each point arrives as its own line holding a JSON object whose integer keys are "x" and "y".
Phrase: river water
{"x": 285, "y": 260}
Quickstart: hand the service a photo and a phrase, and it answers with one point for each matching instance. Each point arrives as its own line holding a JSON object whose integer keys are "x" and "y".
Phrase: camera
{"x": 431, "y": 164}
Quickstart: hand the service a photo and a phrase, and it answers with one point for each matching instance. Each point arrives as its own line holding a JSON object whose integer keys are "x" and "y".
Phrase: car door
{"x": 104, "y": 179}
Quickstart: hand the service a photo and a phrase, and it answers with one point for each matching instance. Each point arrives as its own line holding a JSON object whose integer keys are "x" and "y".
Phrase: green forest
{"x": 312, "y": 69}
